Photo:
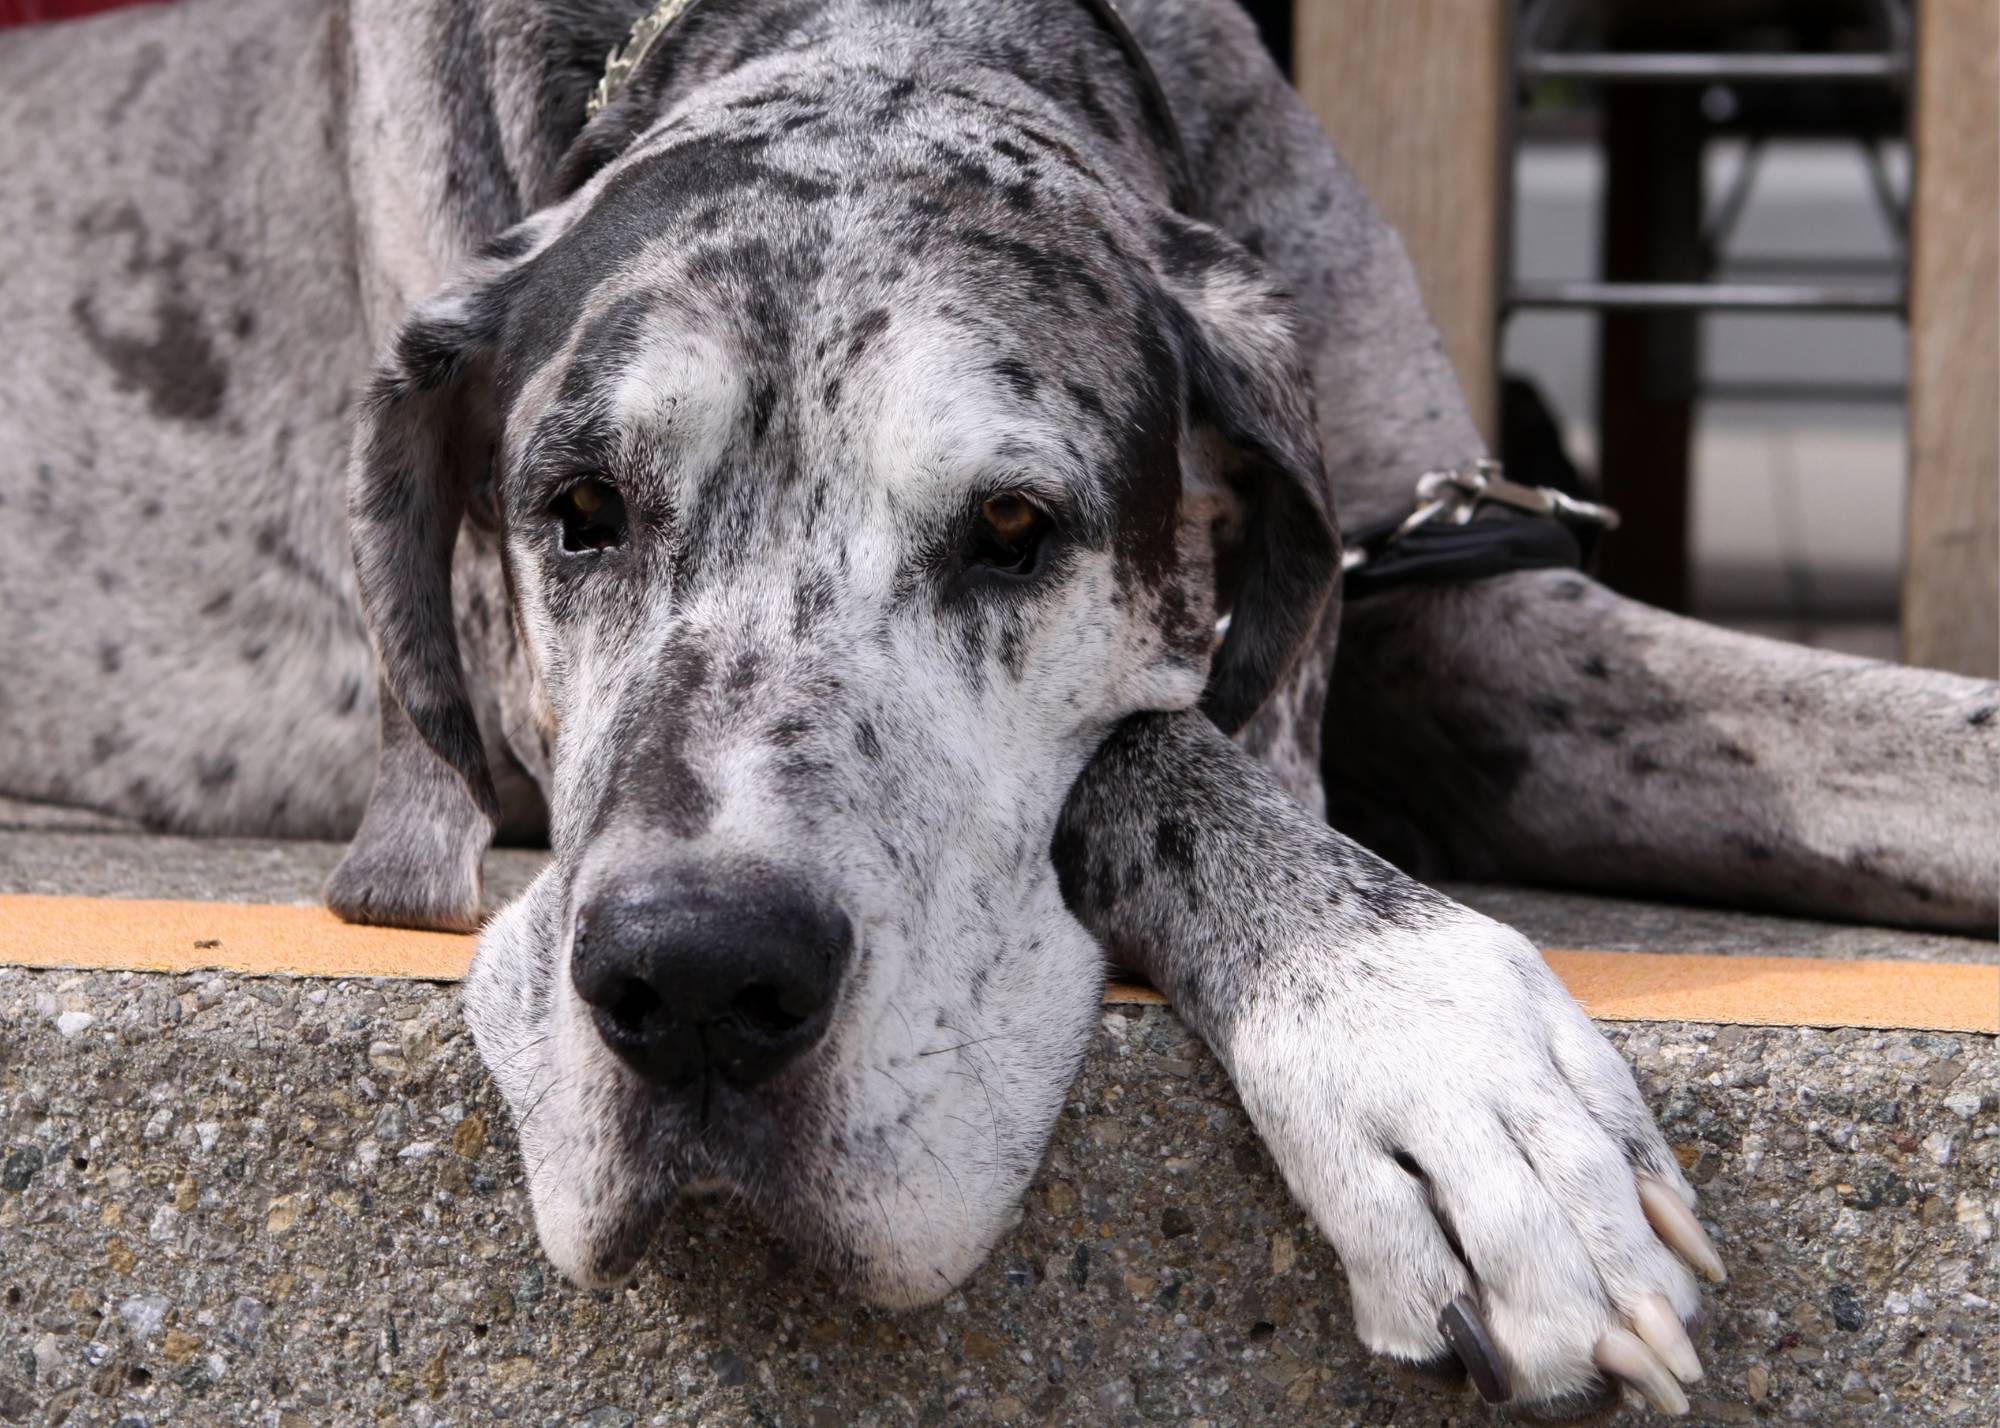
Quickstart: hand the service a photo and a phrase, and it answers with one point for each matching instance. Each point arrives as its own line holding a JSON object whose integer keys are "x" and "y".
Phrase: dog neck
{"x": 643, "y": 73}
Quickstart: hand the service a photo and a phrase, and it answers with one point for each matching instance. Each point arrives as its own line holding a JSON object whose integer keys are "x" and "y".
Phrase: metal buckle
{"x": 1455, "y": 494}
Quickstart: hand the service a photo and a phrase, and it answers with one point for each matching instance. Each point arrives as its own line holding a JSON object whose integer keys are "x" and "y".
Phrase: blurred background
{"x": 1730, "y": 264}
{"x": 1735, "y": 264}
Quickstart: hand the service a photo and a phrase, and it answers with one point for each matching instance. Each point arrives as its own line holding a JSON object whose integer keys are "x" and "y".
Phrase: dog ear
{"x": 424, "y": 438}
{"x": 1248, "y": 382}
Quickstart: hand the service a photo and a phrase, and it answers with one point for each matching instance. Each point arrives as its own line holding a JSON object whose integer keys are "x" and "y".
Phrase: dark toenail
{"x": 1465, "y": 1330}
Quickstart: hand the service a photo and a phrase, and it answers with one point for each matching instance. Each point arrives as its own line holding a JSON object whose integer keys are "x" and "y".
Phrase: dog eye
{"x": 592, "y": 515}
{"x": 1008, "y": 535}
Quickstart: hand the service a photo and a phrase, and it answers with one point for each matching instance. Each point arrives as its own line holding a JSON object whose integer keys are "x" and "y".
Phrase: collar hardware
{"x": 1535, "y": 528}
{"x": 1455, "y": 494}
{"x": 624, "y": 60}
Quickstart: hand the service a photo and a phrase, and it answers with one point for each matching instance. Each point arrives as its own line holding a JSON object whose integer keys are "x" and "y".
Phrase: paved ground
{"x": 233, "y": 1200}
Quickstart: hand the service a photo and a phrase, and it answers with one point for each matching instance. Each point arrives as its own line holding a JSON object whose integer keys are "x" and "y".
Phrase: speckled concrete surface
{"x": 228, "y": 1200}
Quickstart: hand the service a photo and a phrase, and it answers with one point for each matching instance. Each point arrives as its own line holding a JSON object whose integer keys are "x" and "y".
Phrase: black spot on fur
{"x": 147, "y": 65}
{"x": 1173, "y": 840}
{"x": 970, "y": 171}
{"x": 215, "y": 771}
{"x": 110, "y": 658}
{"x": 1981, "y": 716}
{"x": 743, "y": 673}
{"x": 176, "y": 368}
{"x": 1085, "y": 398}
{"x": 895, "y": 100}
{"x": 867, "y": 328}
{"x": 653, "y": 735}
{"x": 1042, "y": 266}
{"x": 763, "y": 402}
{"x": 1188, "y": 250}
{"x": 791, "y": 730}
{"x": 1019, "y": 376}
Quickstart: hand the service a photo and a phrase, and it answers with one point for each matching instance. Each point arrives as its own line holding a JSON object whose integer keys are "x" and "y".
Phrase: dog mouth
{"x": 879, "y": 1198}
{"x": 604, "y": 1190}
{"x": 777, "y": 1157}
{"x": 891, "y": 1153}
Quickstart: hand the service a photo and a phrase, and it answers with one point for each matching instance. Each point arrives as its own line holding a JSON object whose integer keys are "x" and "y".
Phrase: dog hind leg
{"x": 1538, "y": 727}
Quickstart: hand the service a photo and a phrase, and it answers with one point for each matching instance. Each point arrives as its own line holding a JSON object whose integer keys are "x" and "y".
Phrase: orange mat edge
{"x": 270, "y": 939}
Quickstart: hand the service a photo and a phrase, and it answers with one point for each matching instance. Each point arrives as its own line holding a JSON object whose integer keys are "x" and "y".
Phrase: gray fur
{"x": 824, "y": 275}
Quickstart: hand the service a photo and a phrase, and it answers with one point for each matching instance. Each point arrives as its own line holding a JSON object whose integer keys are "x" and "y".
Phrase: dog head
{"x": 858, "y": 456}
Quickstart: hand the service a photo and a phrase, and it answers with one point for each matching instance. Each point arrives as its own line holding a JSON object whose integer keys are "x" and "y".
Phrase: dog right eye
{"x": 1007, "y": 538}
{"x": 592, "y": 515}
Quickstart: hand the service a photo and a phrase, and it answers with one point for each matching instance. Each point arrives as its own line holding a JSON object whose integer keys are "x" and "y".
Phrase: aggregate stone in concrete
{"x": 228, "y": 1200}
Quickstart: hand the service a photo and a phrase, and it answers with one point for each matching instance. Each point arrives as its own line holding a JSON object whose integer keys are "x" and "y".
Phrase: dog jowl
{"x": 857, "y": 455}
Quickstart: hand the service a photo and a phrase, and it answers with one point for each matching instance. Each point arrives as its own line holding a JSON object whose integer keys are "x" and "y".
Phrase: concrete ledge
{"x": 228, "y": 1200}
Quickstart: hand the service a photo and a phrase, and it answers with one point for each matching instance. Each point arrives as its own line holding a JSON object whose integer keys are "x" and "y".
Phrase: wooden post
{"x": 1649, "y": 363}
{"x": 1416, "y": 96}
{"x": 1951, "y": 571}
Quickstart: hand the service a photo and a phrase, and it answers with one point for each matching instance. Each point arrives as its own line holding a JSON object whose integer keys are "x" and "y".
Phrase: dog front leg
{"x": 1475, "y": 1150}
{"x": 1539, "y": 727}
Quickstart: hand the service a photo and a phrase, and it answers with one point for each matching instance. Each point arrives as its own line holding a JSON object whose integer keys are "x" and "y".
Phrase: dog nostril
{"x": 631, "y": 1003}
{"x": 763, "y": 1009}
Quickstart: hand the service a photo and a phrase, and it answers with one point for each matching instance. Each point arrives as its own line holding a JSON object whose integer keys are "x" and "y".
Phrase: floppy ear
{"x": 1248, "y": 381}
{"x": 427, "y": 427}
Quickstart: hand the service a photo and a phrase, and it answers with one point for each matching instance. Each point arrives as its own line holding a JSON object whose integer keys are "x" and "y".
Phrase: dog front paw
{"x": 1479, "y": 1155}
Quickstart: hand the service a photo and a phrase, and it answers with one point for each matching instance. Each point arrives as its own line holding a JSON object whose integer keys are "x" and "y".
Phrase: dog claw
{"x": 1625, "y": 1355}
{"x": 1465, "y": 1330}
{"x": 1660, "y": 1327}
{"x": 1675, "y": 1223}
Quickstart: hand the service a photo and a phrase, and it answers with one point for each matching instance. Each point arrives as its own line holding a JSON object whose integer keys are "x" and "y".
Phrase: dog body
{"x": 812, "y": 488}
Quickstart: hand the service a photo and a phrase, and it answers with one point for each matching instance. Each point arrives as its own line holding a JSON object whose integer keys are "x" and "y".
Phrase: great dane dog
{"x": 810, "y": 488}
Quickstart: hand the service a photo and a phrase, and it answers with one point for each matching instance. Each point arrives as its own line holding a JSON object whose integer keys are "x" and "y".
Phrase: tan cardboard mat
{"x": 264, "y": 940}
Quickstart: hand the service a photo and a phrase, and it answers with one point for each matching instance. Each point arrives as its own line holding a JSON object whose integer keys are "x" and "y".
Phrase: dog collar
{"x": 1539, "y": 528}
{"x": 625, "y": 59}
{"x": 650, "y": 28}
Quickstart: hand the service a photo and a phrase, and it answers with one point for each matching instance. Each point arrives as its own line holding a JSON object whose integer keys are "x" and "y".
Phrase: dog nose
{"x": 738, "y": 979}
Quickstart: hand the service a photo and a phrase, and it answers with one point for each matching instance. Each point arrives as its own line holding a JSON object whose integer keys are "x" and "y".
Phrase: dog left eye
{"x": 1008, "y": 535}
{"x": 592, "y": 515}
